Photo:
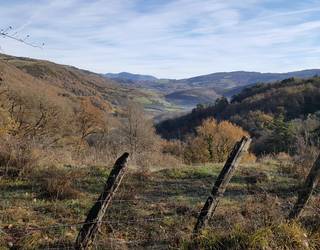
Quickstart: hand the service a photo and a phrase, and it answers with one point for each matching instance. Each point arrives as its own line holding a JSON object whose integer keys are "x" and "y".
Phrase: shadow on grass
{"x": 16, "y": 186}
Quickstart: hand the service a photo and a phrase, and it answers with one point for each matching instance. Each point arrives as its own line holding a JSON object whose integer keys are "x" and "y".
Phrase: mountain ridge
{"x": 189, "y": 92}
{"x": 130, "y": 76}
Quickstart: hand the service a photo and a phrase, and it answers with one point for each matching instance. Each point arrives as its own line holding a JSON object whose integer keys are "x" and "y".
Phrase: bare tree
{"x": 138, "y": 131}
{"x": 90, "y": 120}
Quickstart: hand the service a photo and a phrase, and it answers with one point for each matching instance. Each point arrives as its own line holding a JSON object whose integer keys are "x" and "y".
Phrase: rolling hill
{"x": 224, "y": 81}
{"x": 66, "y": 81}
{"x": 113, "y": 91}
{"x": 68, "y": 84}
{"x": 188, "y": 92}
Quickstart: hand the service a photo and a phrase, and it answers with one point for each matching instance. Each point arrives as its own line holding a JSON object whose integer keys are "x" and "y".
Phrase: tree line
{"x": 280, "y": 116}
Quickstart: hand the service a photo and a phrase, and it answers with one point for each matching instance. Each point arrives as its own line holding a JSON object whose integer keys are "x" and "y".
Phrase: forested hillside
{"x": 261, "y": 110}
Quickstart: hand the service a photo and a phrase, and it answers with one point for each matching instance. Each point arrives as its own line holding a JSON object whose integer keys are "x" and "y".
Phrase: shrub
{"x": 195, "y": 151}
{"x": 173, "y": 147}
{"x": 213, "y": 142}
{"x": 58, "y": 183}
{"x": 17, "y": 157}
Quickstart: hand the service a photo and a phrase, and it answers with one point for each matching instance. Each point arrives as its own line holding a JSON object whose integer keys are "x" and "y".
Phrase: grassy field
{"x": 157, "y": 209}
{"x": 156, "y": 104}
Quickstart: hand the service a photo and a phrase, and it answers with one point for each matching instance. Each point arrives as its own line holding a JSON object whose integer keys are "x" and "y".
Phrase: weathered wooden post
{"x": 221, "y": 183}
{"x": 306, "y": 192}
{"x": 90, "y": 227}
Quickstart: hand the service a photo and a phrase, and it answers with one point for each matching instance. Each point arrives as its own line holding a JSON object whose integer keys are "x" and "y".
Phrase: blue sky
{"x": 168, "y": 38}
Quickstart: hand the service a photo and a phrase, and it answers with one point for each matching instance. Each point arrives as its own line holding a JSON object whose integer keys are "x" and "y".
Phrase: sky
{"x": 167, "y": 38}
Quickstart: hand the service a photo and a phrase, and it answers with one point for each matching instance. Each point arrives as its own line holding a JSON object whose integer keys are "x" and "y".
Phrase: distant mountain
{"x": 131, "y": 77}
{"x": 205, "y": 88}
{"x": 223, "y": 82}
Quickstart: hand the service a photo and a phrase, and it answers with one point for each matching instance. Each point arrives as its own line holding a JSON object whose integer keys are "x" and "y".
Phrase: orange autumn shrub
{"x": 214, "y": 141}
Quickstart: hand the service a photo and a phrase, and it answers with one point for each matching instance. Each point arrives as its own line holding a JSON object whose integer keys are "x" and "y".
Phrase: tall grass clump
{"x": 58, "y": 182}
{"x": 283, "y": 236}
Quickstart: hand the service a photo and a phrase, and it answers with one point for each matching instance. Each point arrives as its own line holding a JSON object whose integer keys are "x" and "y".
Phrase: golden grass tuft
{"x": 283, "y": 236}
{"x": 58, "y": 183}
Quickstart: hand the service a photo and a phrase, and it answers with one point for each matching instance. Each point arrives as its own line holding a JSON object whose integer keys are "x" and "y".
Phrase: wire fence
{"x": 158, "y": 217}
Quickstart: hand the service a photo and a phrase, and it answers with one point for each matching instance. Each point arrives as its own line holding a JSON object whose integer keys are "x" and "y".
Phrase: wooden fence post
{"x": 306, "y": 192}
{"x": 221, "y": 183}
{"x": 90, "y": 227}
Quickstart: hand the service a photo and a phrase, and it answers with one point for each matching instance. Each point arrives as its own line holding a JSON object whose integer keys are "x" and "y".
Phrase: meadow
{"x": 157, "y": 208}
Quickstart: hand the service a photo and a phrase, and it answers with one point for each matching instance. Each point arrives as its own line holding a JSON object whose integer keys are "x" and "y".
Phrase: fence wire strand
{"x": 162, "y": 195}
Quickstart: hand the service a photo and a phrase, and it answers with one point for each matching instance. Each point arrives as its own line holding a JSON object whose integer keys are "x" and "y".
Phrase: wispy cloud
{"x": 169, "y": 38}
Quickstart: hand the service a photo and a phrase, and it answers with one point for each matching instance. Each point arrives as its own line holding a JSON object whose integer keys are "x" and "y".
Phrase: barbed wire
{"x": 157, "y": 194}
{"x": 122, "y": 221}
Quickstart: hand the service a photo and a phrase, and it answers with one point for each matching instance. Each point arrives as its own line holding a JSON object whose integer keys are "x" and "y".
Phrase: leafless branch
{"x": 7, "y": 33}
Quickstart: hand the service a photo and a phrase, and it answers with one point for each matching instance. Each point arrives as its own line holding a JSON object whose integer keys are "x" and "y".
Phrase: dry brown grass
{"x": 17, "y": 157}
{"x": 156, "y": 209}
{"x": 58, "y": 183}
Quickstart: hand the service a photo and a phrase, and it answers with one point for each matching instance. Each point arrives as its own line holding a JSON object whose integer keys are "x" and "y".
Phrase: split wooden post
{"x": 306, "y": 192}
{"x": 90, "y": 227}
{"x": 221, "y": 183}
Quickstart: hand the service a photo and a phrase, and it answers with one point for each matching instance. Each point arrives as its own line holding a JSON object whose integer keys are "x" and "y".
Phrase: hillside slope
{"x": 21, "y": 84}
{"x": 55, "y": 104}
{"x": 71, "y": 82}
{"x": 189, "y": 98}
{"x": 292, "y": 98}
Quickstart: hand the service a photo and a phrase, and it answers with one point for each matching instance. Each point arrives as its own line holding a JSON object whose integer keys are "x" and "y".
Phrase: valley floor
{"x": 158, "y": 210}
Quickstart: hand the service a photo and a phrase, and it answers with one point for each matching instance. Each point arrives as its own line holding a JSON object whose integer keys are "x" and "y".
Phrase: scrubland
{"x": 157, "y": 208}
